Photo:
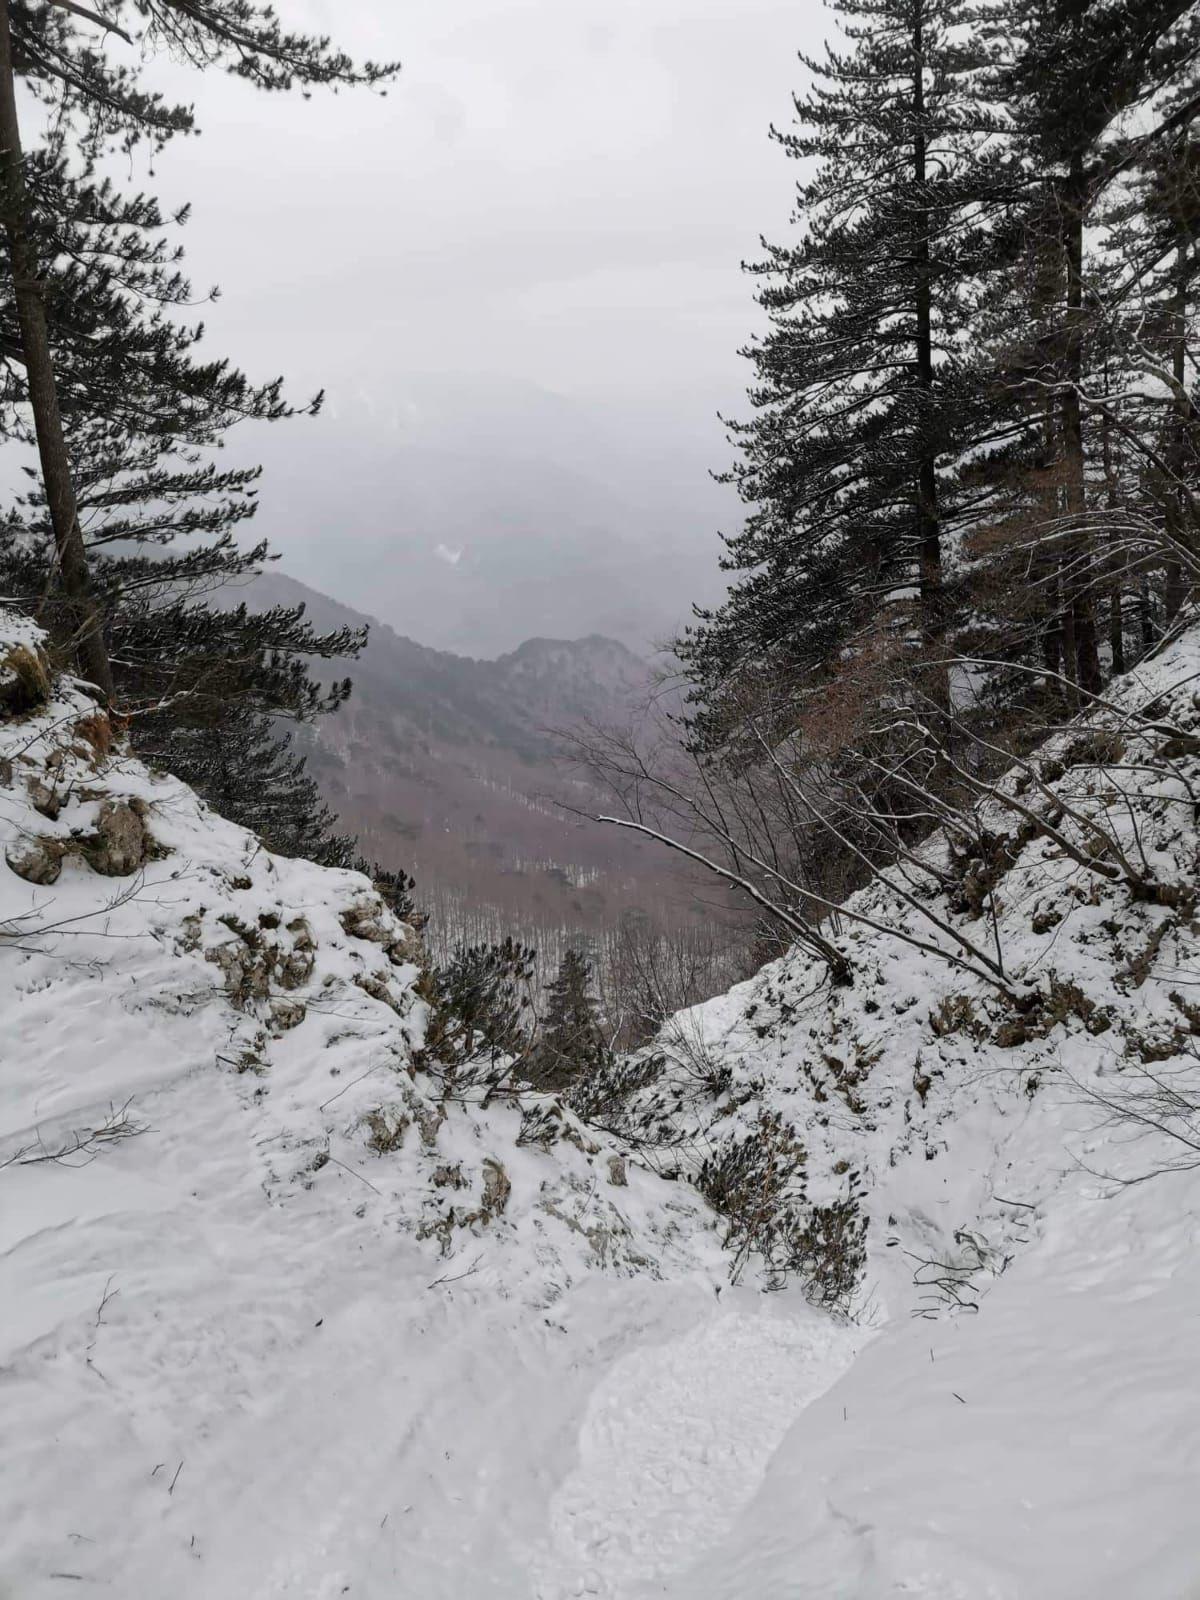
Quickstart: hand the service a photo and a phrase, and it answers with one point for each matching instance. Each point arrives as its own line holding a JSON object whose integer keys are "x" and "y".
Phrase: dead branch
{"x": 86, "y": 1143}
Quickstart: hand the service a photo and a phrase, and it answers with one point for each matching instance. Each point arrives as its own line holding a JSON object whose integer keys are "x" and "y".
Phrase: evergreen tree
{"x": 249, "y": 772}
{"x": 1076, "y": 81}
{"x": 860, "y": 404}
{"x": 1149, "y": 423}
{"x": 70, "y": 563}
{"x": 572, "y": 1045}
{"x": 480, "y": 1004}
{"x": 154, "y": 518}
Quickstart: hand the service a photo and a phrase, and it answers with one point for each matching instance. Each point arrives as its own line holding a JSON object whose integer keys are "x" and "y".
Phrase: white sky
{"x": 555, "y": 197}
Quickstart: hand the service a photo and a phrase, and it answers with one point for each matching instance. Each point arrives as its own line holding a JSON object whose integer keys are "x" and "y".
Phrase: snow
{"x": 246, "y": 1353}
{"x": 677, "y": 1437}
{"x": 1047, "y": 1447}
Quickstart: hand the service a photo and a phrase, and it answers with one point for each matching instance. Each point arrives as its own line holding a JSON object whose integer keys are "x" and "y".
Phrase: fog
{"x": 517, "y": 277}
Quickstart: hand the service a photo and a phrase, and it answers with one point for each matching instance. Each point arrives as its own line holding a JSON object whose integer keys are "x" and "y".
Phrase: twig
{"x": 458, "y": 1276}
{"x": 357, "y": 1175}
{"x": 347, "y": 1086}
{"x": 88, "y": 1144}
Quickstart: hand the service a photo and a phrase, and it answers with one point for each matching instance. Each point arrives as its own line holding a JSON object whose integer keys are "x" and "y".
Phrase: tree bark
{"x": 928, "y": 525}
{"x": 931, "y": 576}
{"x": 1081, "y": 617}
{"x": 1116, "y": 597}
{"x": 91, "y": 651}
{"x": 1048, "y": 563}
{"x": 1175, "y": 589}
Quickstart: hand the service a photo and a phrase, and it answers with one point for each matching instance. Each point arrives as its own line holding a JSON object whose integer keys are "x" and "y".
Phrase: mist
{"x": 517, "y": 277}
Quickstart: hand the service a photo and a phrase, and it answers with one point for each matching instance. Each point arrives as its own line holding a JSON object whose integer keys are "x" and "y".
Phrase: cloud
{"x": 552, "y": 199}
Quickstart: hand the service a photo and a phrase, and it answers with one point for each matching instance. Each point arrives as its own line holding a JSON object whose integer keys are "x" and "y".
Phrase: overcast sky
{"x": 517, "y": 276}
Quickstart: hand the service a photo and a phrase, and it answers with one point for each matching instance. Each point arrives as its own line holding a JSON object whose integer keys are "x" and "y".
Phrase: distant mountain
{"x": 473, "y": 516}
{"x": 447, "y": 766}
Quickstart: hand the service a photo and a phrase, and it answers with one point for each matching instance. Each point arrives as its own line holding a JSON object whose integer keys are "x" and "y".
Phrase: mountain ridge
{"x": 448, "y": 767}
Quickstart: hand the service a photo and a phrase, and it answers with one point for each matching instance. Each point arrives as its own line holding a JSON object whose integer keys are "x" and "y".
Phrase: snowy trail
{"x": 472, "y": 1448}
{"x": 329, "y": 1329}
{"x": 676, "y": 1440}
{"x": 507, "y": 1461}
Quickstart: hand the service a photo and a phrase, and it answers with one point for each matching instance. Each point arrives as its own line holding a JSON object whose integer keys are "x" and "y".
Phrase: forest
{"x": 928, "y": 775}
{"x": 967, "y": 458}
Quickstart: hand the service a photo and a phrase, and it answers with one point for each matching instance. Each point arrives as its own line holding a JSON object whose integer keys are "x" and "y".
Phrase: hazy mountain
{"x": 447, "y": 767}
{"x": 473, "y": 517}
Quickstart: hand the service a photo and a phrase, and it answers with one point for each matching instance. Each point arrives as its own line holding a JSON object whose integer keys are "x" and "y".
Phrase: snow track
{"x": 417, "y": 1444}
{"x": 676, "y": 1440}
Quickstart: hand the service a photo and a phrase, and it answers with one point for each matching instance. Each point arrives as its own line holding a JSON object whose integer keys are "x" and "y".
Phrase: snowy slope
{"x": 1025, "y": 1420}
{"x": 281, "y": 1315}
{"x": 235, "y": 1331}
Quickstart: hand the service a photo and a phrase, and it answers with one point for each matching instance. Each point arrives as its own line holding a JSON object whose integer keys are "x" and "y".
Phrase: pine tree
{"x": 155, "y": 517}
{"x": 1076, "y": 80}
{"x": 860, "y": 404}
{"x": 1149, "y": 423}
{"x": 247, "y": 771}
{"x": 480, "y": 1004}
{"x": 70, "y": 562}
{"x": 572, "y": 1045}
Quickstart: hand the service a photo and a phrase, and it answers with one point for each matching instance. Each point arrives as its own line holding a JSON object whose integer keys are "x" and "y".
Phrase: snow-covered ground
{"x": 284, "y": 1319}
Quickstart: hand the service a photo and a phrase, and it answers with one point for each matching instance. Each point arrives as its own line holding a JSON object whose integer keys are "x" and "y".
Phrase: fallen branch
{"x": 87, "y": 1143}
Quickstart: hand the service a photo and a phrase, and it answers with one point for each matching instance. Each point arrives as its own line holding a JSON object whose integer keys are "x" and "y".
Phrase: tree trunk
{"x": 1081, "y": 618}
{"x": 72, "y": 564}
{"x": 931, "y": 576}
{"x": 1047, "y": 565}
{"x": 1176, "y": 591}
{"x": 1116, "y": 596}
{"x": 928, "y": 527}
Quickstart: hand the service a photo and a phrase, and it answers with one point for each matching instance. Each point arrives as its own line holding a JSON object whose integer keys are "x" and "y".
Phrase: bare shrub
{"x": 1155, "y": 1105}
{"x": 758, "y": 1184}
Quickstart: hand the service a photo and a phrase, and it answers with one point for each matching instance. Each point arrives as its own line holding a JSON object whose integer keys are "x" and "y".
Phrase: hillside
{"x": 446, "y": 766}
{"x": 235, "y": 1213}
{"x": 289, "y": 1310}
{"x": 1006, "y": 1167}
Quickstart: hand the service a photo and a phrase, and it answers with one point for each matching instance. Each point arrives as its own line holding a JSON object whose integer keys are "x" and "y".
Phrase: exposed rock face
{"x": 496, "y": 1189}
{"x": 45, "y": 798}
{"x": 366, "y": 920}
{"x": 370, "y": 920}
{"x": 261, "y": 957}
{"x": 287, "y": 1014}
{"x": 36, "y": 860}
{"x": 24, "y": 680}
{"x": 376, "y": 985}
{"x": 296, "y": 966}
{"x": 119, "y": 847}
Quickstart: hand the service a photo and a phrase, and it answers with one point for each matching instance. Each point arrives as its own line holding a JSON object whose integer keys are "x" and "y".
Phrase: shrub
{"x": 481, "y": 1004}
{"x": 758, "y": 1185}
